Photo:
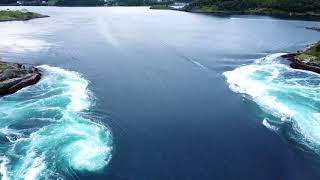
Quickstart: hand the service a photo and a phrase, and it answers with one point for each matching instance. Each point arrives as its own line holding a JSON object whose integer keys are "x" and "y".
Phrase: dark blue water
{"x": 158, "y": 87}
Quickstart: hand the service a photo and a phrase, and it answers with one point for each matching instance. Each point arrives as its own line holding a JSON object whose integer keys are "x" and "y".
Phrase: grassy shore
{"x": 9, "y": 15}
{"x": 258, "y": 11}
{"x": 160, "y": 7}
{"x": 2, "y": 67}
{"x": 311, "y": 55}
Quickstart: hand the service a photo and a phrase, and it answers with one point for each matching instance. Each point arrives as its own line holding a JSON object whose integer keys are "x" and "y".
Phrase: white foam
{"x": 243, "y": 80}
{"x": 274, "y": 74}
{"x": 270, "y": 59}
{"x": 77, "y": 87}
{"x": 9, "y": 132}
{"x": 239, "y": 81}
{"x": 3, "y": 168}
{"x": 35, "y": 169}
{"x": 272, "y": 86}
{"x": 199, "y": 64}
{"x": 88, "y": 155}
{"x": 69, "y": 141}
{"x": 266, "y": 123}
{"x": 91, "y": 152}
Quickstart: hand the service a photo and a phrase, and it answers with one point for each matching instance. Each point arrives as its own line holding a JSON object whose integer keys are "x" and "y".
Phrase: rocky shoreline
{"x": 297, "y": 64}
{"x": 19, "y": 15}
{"x": 313, "y": 28}
{"x": 301, "y": 59}
{"x": 15, "y": 76}
{"x": 24, "y": 19}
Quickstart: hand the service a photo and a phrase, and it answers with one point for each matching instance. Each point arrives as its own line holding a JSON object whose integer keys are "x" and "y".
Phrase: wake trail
{"x": 184, "y": 57}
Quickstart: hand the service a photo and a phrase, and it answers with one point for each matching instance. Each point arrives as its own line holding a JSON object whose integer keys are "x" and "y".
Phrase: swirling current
{"x": 290, "y": 95}
{"x": 45, "y": 130}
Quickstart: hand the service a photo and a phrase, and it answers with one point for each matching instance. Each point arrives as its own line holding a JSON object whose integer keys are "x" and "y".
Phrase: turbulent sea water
{"x": 130, "y": 93}
{"x": 46, "y": 131}
{"x": 291, "y": 95}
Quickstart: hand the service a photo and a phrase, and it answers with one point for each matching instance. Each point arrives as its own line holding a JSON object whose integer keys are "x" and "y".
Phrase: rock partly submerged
{"x": 313, "y": 28}
{"x": 15, "y": 76}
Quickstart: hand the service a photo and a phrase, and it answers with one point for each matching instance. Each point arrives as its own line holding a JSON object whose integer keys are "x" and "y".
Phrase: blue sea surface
{"x": 131, "y": 93}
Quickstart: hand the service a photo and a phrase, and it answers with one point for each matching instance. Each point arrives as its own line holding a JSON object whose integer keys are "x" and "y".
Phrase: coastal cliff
{"x": 15, "y": 76}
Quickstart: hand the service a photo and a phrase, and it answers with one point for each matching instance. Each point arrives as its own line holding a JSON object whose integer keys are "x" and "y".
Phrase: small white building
{"x": 20, "y": 2}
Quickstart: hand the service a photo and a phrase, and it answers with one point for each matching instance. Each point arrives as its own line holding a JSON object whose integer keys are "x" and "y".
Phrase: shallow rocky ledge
{"x": 15, "y": 76}
{"x": 313, "y": 28}
{"x": 19, "y": 15}
{"x": 24, "y": 19}
{"x": 297, "y": 64}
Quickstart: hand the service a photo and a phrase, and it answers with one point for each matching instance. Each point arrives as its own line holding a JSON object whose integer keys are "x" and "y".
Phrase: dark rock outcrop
{"x": 15, "y": 76}
{"x": 297, "y": 64}
{"x": 313, "y": 28}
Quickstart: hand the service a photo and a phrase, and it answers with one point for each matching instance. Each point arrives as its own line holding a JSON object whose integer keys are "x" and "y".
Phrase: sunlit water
{"x": 131, "y": 93}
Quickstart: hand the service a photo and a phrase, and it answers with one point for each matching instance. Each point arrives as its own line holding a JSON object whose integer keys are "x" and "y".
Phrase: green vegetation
{"x": 310, "y": 8}
{"x": 52, "y": 2}
{"x": 311, "y": 55}
{"x": 160, "y": 6}
{"x": 5, "y": 66}
{"x": 2, "y": 67}
{"x": 8, "y": 15}
{"x": 55, "y": 2}
{"x": 109, "y": 3}
{"x": 207, "y": 9}
{"x": 153, "y": 3}
{"x": 85, "y": 2}
{"x": 77, "y": 2}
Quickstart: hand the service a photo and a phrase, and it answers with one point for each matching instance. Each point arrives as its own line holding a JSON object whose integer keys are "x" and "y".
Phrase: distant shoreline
{"x": 283, "y": 15}
{"x": 18, "y": 19}
{"x": 296, "y": 16}
{"x": 258, "y": 12}
{"x": 16, "y": 15}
